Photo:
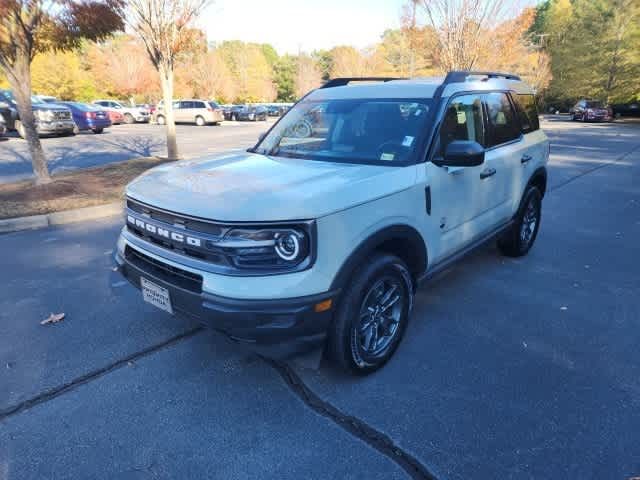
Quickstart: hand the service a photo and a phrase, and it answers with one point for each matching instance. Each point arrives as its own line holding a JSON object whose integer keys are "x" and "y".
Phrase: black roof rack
{"x": 459, "y": 76}
{"x": 342, "y": 81}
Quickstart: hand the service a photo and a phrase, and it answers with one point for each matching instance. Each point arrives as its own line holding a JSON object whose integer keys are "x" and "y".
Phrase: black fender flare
{"x": 538, "y": 176}
{"x": 413, "y": 251}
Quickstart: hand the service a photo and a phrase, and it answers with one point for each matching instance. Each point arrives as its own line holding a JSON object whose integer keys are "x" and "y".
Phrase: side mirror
{"x": 4, "y": 105}
{"x": 463, "y": 153}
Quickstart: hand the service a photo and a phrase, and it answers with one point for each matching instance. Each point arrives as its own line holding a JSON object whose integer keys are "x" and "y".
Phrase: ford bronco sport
{"x": 323, "y": 230}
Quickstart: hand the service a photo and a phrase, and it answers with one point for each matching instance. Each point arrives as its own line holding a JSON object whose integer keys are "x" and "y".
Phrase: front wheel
{"x": 160, "y": 120}
{"x": 128, "y": 118}
{"x": 372, "y": 315}
{"x": 519, "y": 239}
{"x": 200, "y": 121}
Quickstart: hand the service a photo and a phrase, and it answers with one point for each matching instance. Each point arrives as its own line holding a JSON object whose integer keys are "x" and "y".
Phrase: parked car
{"x": 88, "y": 117}
{"x": 46, "y": 99}
{"x": 323, "y": 237}
{"x": 50, "y": 118}
{"x": 200, "y": 112}
{"x": 115, "y": 116}
{"x": 3, "y": 128}
{"x": 275, "y": 110}
{"x": 130, "y": 114}
{"x": 250, "y": 113}
{"x": 631, "y": 109}
{"x": 591, "y": 110}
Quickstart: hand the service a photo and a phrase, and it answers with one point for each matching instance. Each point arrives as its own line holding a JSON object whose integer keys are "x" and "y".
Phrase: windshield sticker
{"x": 387, "y": 156}
{"x": 408, "y": 141}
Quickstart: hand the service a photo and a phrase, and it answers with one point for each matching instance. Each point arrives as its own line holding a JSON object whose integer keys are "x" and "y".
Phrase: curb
{"x": 60, "y": 218}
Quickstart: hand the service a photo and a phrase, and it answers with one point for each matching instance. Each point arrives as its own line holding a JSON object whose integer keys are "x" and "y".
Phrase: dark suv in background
{"x": 591, "y": 111}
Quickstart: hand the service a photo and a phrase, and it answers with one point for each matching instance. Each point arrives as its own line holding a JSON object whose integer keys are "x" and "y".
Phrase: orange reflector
{"x": 323, "y": 306}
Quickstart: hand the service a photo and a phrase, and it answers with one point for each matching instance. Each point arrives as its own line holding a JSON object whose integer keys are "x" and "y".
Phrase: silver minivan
{"x": 200, "y": 112}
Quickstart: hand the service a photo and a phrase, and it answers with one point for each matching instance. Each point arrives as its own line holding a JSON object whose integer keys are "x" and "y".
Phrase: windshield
{"x": 594, "y": 104}
{"x": 376, "y": 131}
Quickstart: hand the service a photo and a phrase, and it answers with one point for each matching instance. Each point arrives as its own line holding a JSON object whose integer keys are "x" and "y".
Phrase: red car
{"x": 115, "y": 116}
{"x": 591, "y": 111}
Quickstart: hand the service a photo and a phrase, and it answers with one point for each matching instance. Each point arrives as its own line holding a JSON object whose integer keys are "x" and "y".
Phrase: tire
{"x": 200, "y": 121}
{"x": 128, "y": 119}
{"x": 354, "y": 343}
{"x": 519, "y": 239}
{"x": 20, "y": 129}
{"x": 160, "y": 120}
{"x": 98, "y": 130}
{"x": 76, "y": 130}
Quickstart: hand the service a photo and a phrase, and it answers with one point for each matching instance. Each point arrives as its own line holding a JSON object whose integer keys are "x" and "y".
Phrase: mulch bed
{"x": 69, "y": 190}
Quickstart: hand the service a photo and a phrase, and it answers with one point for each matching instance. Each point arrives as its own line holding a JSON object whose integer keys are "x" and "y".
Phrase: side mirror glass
{"x": 463, "y": 153}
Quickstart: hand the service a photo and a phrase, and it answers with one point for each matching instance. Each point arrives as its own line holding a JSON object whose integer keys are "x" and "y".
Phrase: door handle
{"x": 487, "y": 172}
{"x": 525, "y": 159}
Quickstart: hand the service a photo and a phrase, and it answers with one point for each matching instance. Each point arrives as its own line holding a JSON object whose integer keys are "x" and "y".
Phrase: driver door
{"x": 455, "y": 206}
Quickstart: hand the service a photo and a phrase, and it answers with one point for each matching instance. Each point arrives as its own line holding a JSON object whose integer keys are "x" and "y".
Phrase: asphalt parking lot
{"x": 510, "y": 368}
{"x": 122, "y": 142}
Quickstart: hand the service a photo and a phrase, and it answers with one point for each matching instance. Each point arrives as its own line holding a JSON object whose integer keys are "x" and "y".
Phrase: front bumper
{"x": 278, "y": 328}
{"x": 56, "y": 126}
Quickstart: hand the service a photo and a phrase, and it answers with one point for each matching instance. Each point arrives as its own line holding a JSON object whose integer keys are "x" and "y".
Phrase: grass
{"x": 69, "y": 190}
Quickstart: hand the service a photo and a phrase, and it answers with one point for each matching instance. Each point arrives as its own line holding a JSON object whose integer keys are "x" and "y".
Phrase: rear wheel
{"x": 160, "y": 120}
{"x": 200, "y": 121}
{"x": 98, "y": 130}
{"x": 372, "y": 315}
{"x": 128, "y": 118}
{"x": 519, "y": 239}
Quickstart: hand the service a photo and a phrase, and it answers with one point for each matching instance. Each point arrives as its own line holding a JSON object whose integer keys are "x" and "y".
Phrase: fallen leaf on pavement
{"x": 53, "y": 318}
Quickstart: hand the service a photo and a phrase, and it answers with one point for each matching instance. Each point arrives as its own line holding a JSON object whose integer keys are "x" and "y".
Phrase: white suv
{"x": 131, "y": 114}
{"x": 323, "y": 231}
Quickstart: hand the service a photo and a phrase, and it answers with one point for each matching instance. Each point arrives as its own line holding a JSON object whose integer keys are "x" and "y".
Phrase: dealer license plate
{"x": 156, "y": 295}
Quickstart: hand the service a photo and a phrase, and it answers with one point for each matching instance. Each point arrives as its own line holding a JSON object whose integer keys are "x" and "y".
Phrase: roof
{"x": 420, "y": 87}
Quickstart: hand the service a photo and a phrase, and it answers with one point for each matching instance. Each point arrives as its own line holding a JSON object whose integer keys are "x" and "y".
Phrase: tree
{"x": 71, "y": 81}
{"x": 120, "y": 67}
{"x": 28, "y": 27}
{"x": 250, "y": 70}
{"x": 165, "y": 28}
{"x": 594, "y": 46}
{"x": 308, "y": 75}
{"x": 284, "y": 72}
{"x": 462, "y": 28}
{"x": 205, "y": 75}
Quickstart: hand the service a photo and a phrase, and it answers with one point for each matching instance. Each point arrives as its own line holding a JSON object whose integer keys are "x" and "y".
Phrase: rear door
{"x": 181, "y": 112}
{"x": 199, "y": 109}
{"x": 500, "y": 177}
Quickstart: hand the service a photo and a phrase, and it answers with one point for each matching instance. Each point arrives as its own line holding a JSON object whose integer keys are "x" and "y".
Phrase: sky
{"x": 301, "y": 25}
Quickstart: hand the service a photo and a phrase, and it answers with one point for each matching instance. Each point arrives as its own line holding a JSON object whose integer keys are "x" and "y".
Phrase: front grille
{"x": 170, "y": 274}
{"x": 61, "y": 115}
{"x": 177, "y": 219}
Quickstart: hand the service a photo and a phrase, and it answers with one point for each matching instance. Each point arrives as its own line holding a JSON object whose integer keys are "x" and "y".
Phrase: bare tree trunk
{"x": 20, "y": 81}
{"x": 166, "y": 79}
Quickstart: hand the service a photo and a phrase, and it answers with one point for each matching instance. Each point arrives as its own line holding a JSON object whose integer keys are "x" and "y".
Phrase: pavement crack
{"x": 54, "y": 392}
{"x": 352, "y": 425}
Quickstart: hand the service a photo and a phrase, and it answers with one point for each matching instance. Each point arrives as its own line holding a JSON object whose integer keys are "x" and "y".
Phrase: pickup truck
{"x": 51, "y": 118}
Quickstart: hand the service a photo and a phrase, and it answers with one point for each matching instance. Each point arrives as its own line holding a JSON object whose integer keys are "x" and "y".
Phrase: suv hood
{"x": 252, "y": 188}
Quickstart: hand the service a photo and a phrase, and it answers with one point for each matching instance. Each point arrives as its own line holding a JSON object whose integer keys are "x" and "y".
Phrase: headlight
{"x": 44, "y": 115}
{"x": 268, "y": 248}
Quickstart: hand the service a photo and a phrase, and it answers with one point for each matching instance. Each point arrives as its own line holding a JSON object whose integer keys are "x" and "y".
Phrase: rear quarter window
{"x": 527, "y": 112}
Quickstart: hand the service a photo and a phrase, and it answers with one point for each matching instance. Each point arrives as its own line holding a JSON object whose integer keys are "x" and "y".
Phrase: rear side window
{"x": 198, "y": 105}
{"x": 503, "y": 125}
{"x": 462, "y": 121}
{"x": 527, "y": 112}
